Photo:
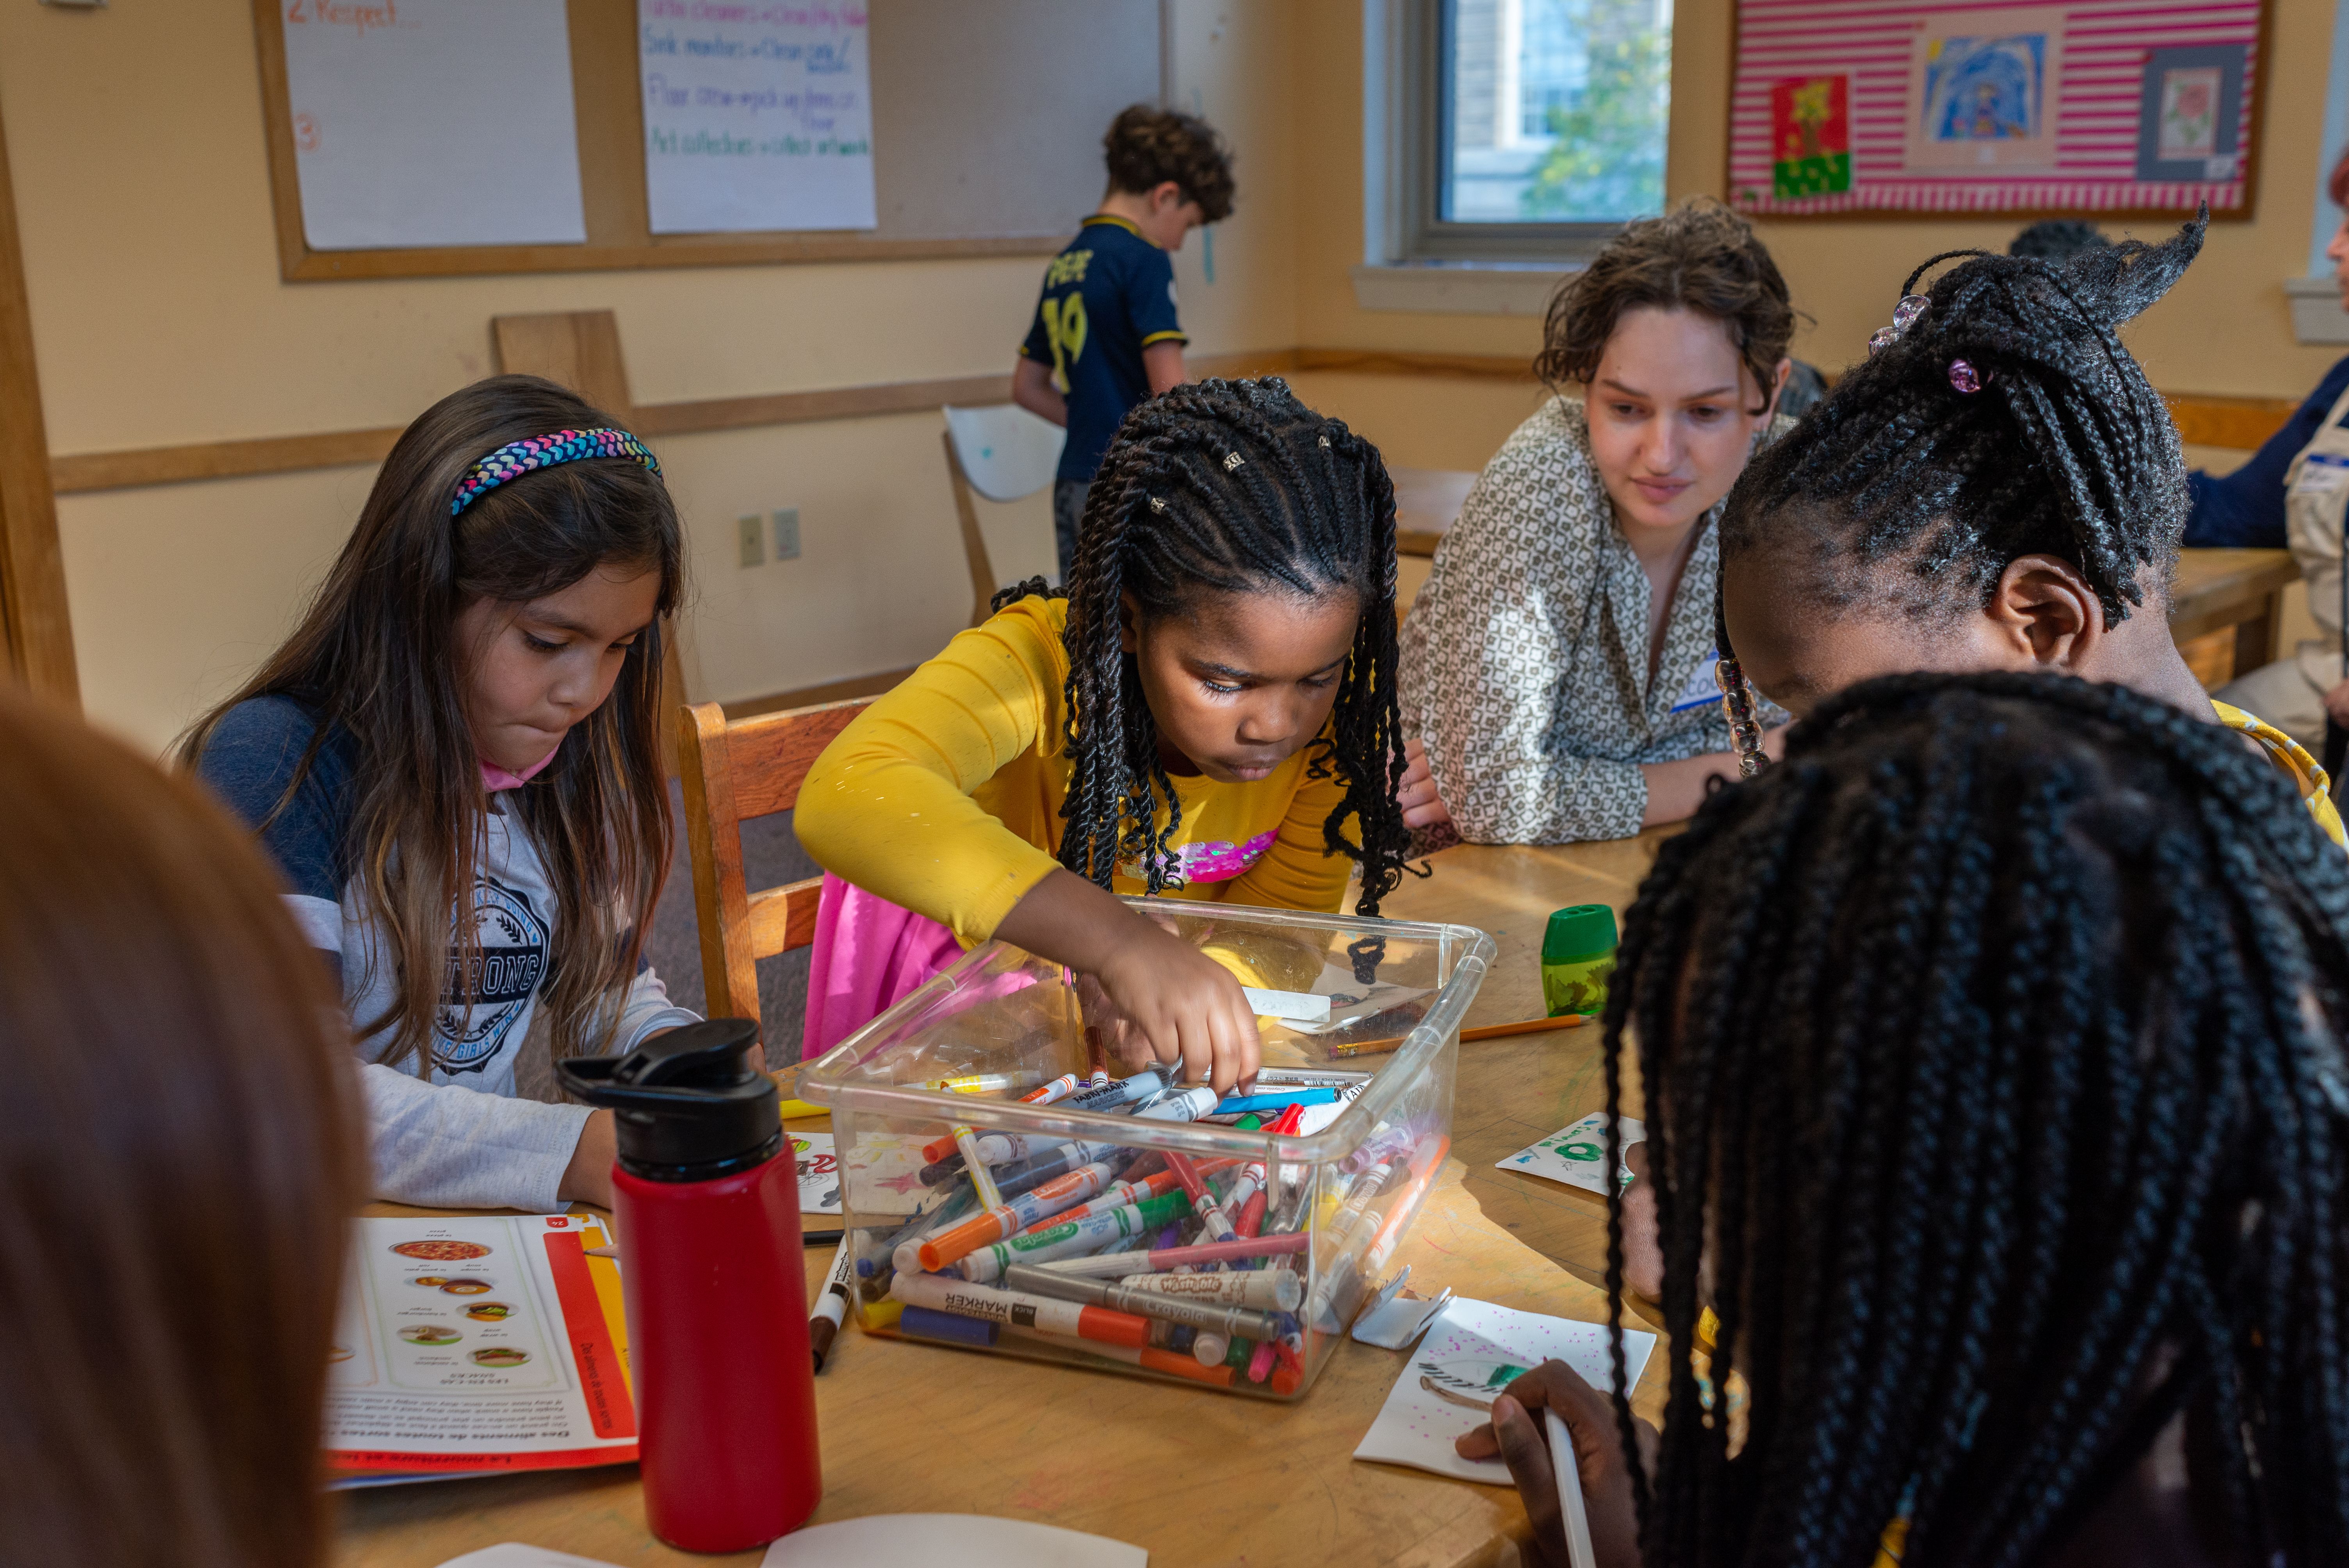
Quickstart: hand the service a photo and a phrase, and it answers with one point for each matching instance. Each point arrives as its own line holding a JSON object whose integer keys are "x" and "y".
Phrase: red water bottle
{"x": 708, "y": 1209}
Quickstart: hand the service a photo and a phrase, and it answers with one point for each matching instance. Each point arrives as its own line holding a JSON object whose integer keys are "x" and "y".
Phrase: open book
{"x": 466, "y": 1346}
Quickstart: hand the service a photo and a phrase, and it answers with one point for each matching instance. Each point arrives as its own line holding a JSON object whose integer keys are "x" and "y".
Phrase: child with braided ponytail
{"x": 1208, "y": 714}
{"x": 1991, "y": 1047}
{"x": 1997, "y": 487}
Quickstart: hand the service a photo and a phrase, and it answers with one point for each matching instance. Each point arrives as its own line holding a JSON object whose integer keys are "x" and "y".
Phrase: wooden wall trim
{"x": 2202, "y": 419}
{"x": 36, "y": 630}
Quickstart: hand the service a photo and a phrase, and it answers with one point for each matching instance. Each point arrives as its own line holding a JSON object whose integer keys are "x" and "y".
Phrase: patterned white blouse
{"x": 1524, "y": 658}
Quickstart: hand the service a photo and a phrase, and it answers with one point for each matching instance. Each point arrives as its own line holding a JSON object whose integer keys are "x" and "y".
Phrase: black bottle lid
{"x": 688, "y": 1107}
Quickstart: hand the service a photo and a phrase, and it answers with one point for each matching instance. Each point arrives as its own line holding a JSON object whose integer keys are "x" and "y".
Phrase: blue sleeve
{"x": 249, "y": 762}
{"x": 2245, "y": 509}
{"x": 1149, "y": 294}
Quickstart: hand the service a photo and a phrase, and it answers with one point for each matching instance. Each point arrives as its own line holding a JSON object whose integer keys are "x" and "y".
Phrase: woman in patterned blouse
{"x": 1558, "y": 667}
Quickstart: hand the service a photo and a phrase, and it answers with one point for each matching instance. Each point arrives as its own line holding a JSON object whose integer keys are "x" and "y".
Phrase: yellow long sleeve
{"x": 944, "y": 795}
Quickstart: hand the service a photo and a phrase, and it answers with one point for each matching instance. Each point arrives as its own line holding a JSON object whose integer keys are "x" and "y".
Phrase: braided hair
{"x": 1230, "y": 487}
{"x": 1992, "y": 1046}
{"x": 1904, "y": 487}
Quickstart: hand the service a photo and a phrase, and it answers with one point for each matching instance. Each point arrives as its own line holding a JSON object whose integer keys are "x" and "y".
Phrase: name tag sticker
{"x": 1703, "y": 685}
{"x": 2322, "y": 473}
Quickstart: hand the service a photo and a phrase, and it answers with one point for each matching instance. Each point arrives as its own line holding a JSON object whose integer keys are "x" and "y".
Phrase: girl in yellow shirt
{"x": 1208, "y": 714}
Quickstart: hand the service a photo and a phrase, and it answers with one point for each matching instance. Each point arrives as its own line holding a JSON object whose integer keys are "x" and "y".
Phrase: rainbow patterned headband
{"x": 516, "y": 458}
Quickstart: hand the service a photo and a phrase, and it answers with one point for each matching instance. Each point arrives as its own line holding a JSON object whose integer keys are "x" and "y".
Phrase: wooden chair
{"x": 733, "y": 772}
{"x": 1004, "y": 453}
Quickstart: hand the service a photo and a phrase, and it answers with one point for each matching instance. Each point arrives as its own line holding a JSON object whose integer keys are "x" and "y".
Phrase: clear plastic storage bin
{"x": 1324, "y": 1205}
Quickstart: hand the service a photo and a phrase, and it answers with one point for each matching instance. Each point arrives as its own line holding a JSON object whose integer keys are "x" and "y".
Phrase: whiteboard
{"x": 987, "y": 118}
{"x": 756, "y": 117}
{"x": 434, "y": 122}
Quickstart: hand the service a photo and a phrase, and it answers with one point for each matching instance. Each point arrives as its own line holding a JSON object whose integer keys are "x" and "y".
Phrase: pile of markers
{"x": 1220, "y": 1271}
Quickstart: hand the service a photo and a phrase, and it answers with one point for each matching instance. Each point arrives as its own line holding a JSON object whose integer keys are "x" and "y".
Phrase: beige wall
{"x": 2225, "y": 329}
{"x": 135, "y": 136}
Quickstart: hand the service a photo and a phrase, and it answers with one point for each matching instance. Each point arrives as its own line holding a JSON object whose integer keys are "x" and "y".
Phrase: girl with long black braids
{"x": 1207, "y": 713}
{"x": 1992, "y": 1048}
{"x": 1997, "y": 487}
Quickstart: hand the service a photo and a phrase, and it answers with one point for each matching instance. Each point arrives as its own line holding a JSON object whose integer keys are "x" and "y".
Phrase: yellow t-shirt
{"x": 2292, "y": 759}
{"x": 944, "y": 795}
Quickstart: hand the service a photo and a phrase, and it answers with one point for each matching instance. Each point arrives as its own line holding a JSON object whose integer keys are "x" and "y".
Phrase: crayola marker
{"x": 986, "y": 1262}
{"x": 1014, "y": 1215}
{"x": 941, "y": 1293}
{"x": 1233, "y": 1321}
{"x": 1117, "y": 1196}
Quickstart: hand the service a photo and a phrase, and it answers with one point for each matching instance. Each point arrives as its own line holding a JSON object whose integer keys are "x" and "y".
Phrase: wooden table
{"x": 1196, "y": 1476}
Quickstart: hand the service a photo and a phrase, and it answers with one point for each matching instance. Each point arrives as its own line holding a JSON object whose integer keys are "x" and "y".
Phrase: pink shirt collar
{"x": 494, "y": 777}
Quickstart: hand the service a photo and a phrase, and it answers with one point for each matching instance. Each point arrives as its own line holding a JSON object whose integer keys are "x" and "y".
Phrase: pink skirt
{"x": 869, "y": 954}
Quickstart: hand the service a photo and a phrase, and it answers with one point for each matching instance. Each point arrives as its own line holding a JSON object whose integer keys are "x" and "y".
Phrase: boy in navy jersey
{"x": 1105, "y": 334}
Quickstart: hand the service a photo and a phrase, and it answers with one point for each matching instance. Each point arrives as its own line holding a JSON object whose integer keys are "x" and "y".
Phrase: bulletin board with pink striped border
{"x": 2022, "y": 107}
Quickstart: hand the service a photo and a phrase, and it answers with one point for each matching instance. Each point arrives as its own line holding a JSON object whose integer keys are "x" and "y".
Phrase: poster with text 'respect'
{"x": 433, "y": 122}
{"x": 757, "y": 115}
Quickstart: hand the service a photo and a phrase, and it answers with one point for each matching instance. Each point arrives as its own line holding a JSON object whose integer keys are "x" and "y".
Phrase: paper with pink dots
{"x": 1472, "y": 1352}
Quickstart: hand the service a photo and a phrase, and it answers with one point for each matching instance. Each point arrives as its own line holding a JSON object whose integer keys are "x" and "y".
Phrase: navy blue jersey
{"x": 2245, "y": 509}
{"x": 1107, "y": 297}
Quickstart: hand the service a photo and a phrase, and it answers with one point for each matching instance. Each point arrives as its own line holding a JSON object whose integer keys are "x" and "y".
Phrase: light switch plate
{"x": 787, "y": 534}
{"x": 749, "y": 538}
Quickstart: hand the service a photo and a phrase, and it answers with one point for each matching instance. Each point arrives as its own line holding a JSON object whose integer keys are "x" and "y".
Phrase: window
{"x": 1524, "y": 129}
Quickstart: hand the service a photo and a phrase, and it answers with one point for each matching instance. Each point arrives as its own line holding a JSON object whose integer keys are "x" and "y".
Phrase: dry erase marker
{"x": 1183, "y": 1105}
{"x": 831, "y": 1307}
{"x": 942, "y": 1293}
{"x": 1060, "y": 1088}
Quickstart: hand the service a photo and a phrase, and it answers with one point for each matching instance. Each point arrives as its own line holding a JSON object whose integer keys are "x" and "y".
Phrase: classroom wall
{"x": 136, "y": 141}
{"x": 2226, "y": 328}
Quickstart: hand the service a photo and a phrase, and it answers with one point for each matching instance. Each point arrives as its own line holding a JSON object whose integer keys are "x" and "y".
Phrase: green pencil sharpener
{"x": 1578, "y": 959}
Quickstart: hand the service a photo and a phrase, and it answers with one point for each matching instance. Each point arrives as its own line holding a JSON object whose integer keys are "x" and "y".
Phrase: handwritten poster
{"x": 433, "y": 122}
{"x": 757, "y": 115}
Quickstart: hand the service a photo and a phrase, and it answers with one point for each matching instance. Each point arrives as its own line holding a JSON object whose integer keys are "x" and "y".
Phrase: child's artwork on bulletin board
{"x": 2126, "y": 107}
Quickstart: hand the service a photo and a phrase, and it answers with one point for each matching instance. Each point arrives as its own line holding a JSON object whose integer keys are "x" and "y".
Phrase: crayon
{"x": 1172, "y": 1363}
{"x": 941, "y": 1293}
{"x": 946, "y": 1327}
{"x": 1272, "y": 1290}
{"x": 831, "y": 1307}
{"x": 1232, "y": 1320}
{"x": 984, "y": 1264}
{"x": 1275, "y": 1099}
{"x": 1016, "y": 1214}
{"x": 1116, "y": 1265}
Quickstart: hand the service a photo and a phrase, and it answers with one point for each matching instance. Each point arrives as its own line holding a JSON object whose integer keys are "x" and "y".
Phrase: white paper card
{"x": 1577, "y": 1155}
{"x": 514, "y": 1554}
{"x": 1476, "y": 1350}
{"x": 433, "y": 122}
{"x": 964, "y": 1539}
{"x": 756, "y": 117}
{"x": 819, "y": 1172}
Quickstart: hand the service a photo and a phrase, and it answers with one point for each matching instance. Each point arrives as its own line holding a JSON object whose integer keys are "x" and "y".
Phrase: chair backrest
{"x": 735, "y": 770}
{"x": 1005, "y": 452}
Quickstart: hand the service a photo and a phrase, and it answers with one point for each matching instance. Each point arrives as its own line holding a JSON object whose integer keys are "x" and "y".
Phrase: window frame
{"x": 1419, "y": 62}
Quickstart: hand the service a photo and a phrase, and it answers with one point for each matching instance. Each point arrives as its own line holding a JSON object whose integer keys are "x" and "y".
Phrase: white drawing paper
{"x": 819, "y": 1172}
{"x": 1577, "y": 1155}
{"x": 965, "y": 1540}
{"x": 1472, "y": 1352}
{"x": 433, "y": 122}
{"x": 756, "y": 117}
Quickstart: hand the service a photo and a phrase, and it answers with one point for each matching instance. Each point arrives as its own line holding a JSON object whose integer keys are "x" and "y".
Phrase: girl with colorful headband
{"x": 455, "y": 761}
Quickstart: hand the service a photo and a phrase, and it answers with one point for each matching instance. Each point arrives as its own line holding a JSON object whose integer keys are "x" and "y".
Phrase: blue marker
{"x": 1274, "y": 1099}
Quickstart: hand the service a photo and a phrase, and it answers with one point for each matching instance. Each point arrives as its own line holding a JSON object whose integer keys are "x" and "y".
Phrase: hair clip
{"x": 1233, "y": 461}
{"x": 1965, "y": 377}
{"x": 1904, "y": 316}
{"x": 1157, "y": 503}
{"x": 1324, "y": 440}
